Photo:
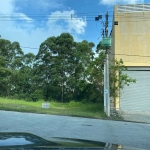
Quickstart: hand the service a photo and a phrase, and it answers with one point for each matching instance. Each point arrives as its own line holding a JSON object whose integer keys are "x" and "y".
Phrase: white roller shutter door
{"x": 136, "y": 97}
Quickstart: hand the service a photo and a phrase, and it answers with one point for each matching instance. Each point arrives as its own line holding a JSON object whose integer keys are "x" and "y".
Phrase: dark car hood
{"x": 25, "y": 141}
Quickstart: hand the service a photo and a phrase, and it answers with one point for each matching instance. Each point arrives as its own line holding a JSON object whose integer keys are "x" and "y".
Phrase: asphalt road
{"x": 48, "y": 126}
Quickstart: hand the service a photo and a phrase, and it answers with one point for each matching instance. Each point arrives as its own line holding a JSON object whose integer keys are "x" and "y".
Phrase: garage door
{"x": 136, "y": 97}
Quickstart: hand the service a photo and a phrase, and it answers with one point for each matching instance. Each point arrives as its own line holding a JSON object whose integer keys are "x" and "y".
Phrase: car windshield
{"x": 78, "y": 70}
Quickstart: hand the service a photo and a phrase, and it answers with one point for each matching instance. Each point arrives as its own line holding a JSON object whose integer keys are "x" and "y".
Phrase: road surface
{"x": 48, "y": 126}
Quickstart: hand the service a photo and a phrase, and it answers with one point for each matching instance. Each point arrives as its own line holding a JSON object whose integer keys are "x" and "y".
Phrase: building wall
{"x": 131, "y": 37}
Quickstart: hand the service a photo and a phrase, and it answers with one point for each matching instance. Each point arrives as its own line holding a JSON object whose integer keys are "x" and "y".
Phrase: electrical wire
{"x": 74, "y": 15}
{"x": 29, "y": 47}
{"x": 130, "y": 55}
{"x": 135, "y": 62}
{"x": 91, "y": 17}
{"x": 25, "y": 20}
{"x": 97, "y": 12}
{"x": 111, "y": 60}
{"x": 110, "y": 53}
{"x": 121, "y": 15}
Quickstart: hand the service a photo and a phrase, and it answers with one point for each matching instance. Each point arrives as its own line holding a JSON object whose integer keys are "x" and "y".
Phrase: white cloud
{"x": 21, "y": 16}
{"x": 73, "y": 23}
{"x": 30, "y": 35}
{"x": 77, "y": 24}
{"x": 113, "y": 2}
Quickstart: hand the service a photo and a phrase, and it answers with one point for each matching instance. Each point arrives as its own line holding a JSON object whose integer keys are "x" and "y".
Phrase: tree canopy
{"x": 63, "y": 70}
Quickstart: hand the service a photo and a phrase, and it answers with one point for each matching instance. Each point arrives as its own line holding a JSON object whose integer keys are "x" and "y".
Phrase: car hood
{"x": 25, "y": 141}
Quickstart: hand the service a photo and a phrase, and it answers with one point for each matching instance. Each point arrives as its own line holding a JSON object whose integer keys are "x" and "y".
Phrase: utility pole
{"x": 106, "y": 73}
{"x": 106, "y": 42}
{"x": 105, "y": 82}
{"x": 105, "y": 85}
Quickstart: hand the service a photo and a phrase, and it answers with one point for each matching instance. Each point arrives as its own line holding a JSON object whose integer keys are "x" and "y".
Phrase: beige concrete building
{"x": 131, "y": 42}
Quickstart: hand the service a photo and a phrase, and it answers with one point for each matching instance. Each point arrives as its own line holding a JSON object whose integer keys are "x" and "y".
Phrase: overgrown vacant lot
{"x": 91, "y": 110}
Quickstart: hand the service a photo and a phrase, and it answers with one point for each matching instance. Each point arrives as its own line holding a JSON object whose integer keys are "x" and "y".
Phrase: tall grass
{"x": 90, "y": 110}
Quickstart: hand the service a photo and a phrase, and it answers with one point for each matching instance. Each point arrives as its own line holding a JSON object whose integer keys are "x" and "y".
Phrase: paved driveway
{"x": 48, "y": 126}
{"x": 143, "y": 117}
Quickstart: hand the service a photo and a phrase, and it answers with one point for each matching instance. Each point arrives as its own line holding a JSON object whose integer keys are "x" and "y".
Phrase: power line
{"x": 73, "y": 16}
{"x": 29, "y": 14}
{"x": 63, "y": 15}
{"x": 19, "y": 17}
{"x": 129, "y": 61}
{"x": 130, "y": 55}
{"x": 110, "y": 53}
{"x": 25, "y": 20}
{"x": 28, "y": 47}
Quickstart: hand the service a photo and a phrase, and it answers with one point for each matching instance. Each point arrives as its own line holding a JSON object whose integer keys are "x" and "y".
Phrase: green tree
{"x": 82, "y": 59}
{"x": 61, "y": 65}
{"x": 24, "y": 77}
{"x": 10, "y": 61}
{"x": 5, "y": 74}
{"x": 53, "y": 64}
{"x": 118, "y": 79}
{"x": 96, "y": 76}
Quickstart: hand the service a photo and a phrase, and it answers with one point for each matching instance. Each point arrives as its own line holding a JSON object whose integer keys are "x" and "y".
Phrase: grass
{"x": 79, "y": 109}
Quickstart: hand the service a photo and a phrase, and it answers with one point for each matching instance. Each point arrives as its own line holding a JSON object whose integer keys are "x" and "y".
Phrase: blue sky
{"x": 30, "y": 22}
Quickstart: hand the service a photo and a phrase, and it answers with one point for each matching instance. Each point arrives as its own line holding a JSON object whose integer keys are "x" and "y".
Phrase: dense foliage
{"x": 63, "y": 70}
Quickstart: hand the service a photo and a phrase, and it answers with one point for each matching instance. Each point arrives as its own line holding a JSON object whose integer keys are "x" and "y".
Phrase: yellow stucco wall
{"x": 131, "y": 39}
